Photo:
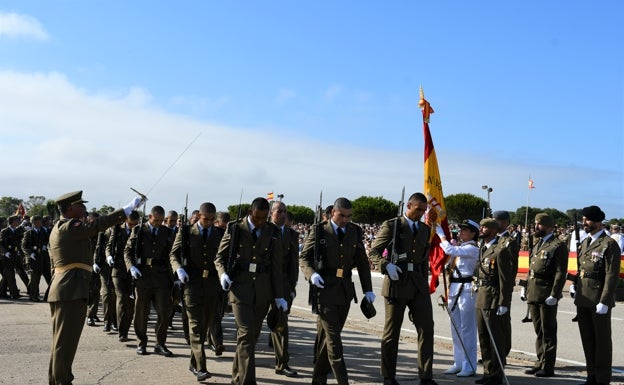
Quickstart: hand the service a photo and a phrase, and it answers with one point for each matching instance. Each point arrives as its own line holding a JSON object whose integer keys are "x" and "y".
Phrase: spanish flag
{"x": 531, "y": 185}
{"x": 433, "y": 192}
{"x": 270, "y": 196}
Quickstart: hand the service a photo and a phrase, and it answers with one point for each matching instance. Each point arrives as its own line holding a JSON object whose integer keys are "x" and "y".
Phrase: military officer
{"x": 215, "y": 330}
{"x": 122, "y": 280}
{"x": 70, "y": 251}
{"x": 290, "y": 275}
{"x": 35, "y": 250}
{"x": 192, "y": 258}
{"x": 508, "y": 241}
{"x": 594, "y": 295}
{"x": 107, "y": 290}
{"x": 405, "y": 285}
{"x": 249, "y": 262}
{"x": 495, "y": 285}
{"x": 147, "y": 258}
{"x": 95, "y": 286}
{"x": 10, "y": 250}
{"x": 548, "y": 267}
{"x": 339, "y": 248}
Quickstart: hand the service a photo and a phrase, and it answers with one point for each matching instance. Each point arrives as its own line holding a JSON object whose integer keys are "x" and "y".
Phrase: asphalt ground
{"x": 25, "y": 335}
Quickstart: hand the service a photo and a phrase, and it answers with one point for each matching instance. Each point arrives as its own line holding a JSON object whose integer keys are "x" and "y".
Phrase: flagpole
{"x": 526, "y": 217}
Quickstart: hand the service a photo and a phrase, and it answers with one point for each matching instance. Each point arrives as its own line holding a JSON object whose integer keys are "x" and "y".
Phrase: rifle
{"x": 137, "y": 254}
{"x": 574, "y": 277}
{"x": 313, "y": 293}
{"x": 233, "y": 230}
{"x": 525, "y": 283}
{"x": 395, "y": 257}
{"x": 184, "y": 235}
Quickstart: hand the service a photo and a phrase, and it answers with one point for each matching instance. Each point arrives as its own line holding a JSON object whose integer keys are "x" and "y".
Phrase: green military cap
{"x": 544, "y": 219}
{"x": 71, "y": 198}
{"x": 489, "y": 222}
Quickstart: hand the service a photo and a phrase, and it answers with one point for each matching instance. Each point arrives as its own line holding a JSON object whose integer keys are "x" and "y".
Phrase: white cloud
{"x": 16, "y": 25}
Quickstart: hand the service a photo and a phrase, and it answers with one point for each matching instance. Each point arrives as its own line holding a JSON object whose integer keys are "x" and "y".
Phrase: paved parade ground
{"x": 26, "y": 333}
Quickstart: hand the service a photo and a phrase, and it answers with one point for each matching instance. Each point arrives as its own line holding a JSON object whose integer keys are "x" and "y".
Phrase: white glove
{"x": 96, "y": 268}
{"x": 572, "y": 290}
{"x": 33, "y": 257}
{"x": 182, "y": 275}
{"x": 293, "y": 294}
{"x": 177, "y": 283}
{"x": 133, "y": 205}
{"x": 44, "y": 248}
{"x": 502, "y": 310}
{"x": 226, "y": 282}
{"x": 551, "y": 301}
{"x": 393, "y": 271}
{"x": 281, "y": 304}
{"x": 110, "y": 260}
{"x": 370, "y": 296}
{"x": 601, "y": 308}
{"x": 523, "y": 294}
{"x": 440, "y": 232}
{"x": 317, "y": 280}
{"x": 7, "y": 254}
{"x": 135, "y": 272}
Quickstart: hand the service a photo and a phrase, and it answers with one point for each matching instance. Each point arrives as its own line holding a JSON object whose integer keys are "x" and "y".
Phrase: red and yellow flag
{"x": 531, "y": 185}
{"x": 270, "y": 196}
{"x": 433, "y": 192}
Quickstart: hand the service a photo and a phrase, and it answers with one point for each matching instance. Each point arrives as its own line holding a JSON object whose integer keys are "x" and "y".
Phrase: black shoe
{"x": 211, "y": 347}
{"x": 532, "y": 370}
{"x": 96, "y": 319}
{"x": 162, "y": 350}
{"x": 35, "y": 299}
{"x": 219, "y": 350}
{"x": 390, "y": 381}
{"x": 114, "y": 327}
{"x": 589, "y": 381}
{"x": 90, "y": 322}
{"x": 202, "y": 375}
{"x": 107, "y": 328}
{"x": 545, "y": 373}
{"x": 123, "y": 339}
{"x": 481, "y": 380}
{"x": 188, "y": 341}
{"x": 319, "y": 381}
{"x": 141, "y": 350}
{"x": 287, "y": 371}
{"x": 428, "y": 382}
{"x": 193, "y": 370}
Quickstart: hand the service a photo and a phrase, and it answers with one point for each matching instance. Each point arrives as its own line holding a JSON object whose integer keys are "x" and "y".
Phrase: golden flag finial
{"x": 424, "y": 105}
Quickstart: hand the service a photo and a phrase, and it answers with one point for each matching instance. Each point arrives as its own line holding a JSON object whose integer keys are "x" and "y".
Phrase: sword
{"x": 442, "y": 302}
{"x": 500, "y": 362}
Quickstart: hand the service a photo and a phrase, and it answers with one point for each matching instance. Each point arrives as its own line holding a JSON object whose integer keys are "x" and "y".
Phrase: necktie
{"x": 414, "y": 229}
{"x": 340, "y": 233}
{"x": 205, "y": 234}
{"x": 154, "y": 232}
{"x": 254, "y": 233}
{"x": 539, "y": 244}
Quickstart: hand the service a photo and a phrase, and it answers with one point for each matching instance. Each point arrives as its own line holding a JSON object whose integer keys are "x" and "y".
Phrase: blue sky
{"x": 298, "y": 97}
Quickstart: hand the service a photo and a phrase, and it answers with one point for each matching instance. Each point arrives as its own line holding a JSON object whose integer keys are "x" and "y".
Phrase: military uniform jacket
{"x": 117, "y": 239}
{"x": 99, "y": 254}
{"x": 598, "y": 272}
{"x": 514, "y": 248}
{"x": 290, "y": 259}
{"x": 150, "y": 255}
{"x": 339, "y": 259}
{"x": 256, "y": 268}
{"x": 197, "y": 257}
{"x": 70, "y": 242}
{"x": 548, "y": 267}
{"x": 495, "y": 277}
{"x": 415, "y": 263}
{"x": 35, "y": 241}
{"x": 10, "y": 242}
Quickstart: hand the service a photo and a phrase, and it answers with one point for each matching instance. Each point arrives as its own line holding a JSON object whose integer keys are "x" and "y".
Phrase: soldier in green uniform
{"x": 249, "y": 262}
{"x": 70, "y": 251}
{"x": 548, "y": 267}
{"x": 35, "y": 250}
{"x": 340, "y": 247}
{"x": 405, "y": 285}
{"x": 93, "y": 302}
{"x": 594, "y": 295}
{"x": 290, "y": 275}
{"x": 495, "y": 285}
{"x": 147, "y": 258}
{"x": 122, "y": 280}
{"x": 192, "y": 258}
{"x": 107, "y": 290}
{"x": 506, "y": 240}
{"x": 10, "y": 239}
{"x": 215, "y": 329}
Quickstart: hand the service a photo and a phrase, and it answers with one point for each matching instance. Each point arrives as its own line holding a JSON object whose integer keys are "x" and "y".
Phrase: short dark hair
{"x": 134, "y": 215}
{"x": 158, "y": 210}
{"x": 223, "y": 216}
{"x": 342, "y": 204}
{"x": 420, "y": 197}
{"x": 260, "y": 204}
{"x": 207, "y": 208}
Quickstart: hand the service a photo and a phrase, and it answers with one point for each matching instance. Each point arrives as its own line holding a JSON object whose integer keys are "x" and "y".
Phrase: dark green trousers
{"x": 67, "y": 323}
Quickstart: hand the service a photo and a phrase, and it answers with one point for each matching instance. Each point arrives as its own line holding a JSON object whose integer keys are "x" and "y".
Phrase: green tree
{"x": 302, "y": 214}
{"x": 105, "y": 210}
{"x": 373, "y": 210}
{"x": 8, "y": 206}
{"x": 520, "y": 215}
{"x": 36, "y": 205}
{"x": 464, "y": 206}
{"x": 233, "y": 210}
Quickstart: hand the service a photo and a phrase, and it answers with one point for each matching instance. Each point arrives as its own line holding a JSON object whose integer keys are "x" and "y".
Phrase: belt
{"x": 460, "y": 280}
{"x": 251, "y": 267}
{"x": 338, "y": 273}
{"x": 409, "y": 266}
{"x": 154, "y": 262}
{"x": 533, "y": 274}
{"x": 487, "y": 282}
{"x": 592, "y": 275}
{"x": 76, "y": 265}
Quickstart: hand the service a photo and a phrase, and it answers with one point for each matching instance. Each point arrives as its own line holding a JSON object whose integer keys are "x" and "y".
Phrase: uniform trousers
{"x": 249, "y": 319}
{"x": 67, "y": 324}
{"x": 107, "y": 294}
{"x": 465, "y": 319}
{"x": 161, "y": 298}
{"x": 201, "y": 306}
{"x": 94, "y": 296}
{"x": 280, "y": 339}
{"x": 422, "y": 314}
{"x": 595, "y": 332}
{"x": 8, "y": 278}
{"x": 329, "y": 350}
{"x": 491, "y": 367}
{"x": 215, "y": 329}
{"x": 124, "y": 304}
{"x": 544, "y": 319}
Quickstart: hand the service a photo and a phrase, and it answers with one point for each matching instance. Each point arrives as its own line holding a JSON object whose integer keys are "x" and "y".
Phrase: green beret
{"x": 490, "y": 223}
{"x": 544, "y": 219}
{"x": 71, "y": 198}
